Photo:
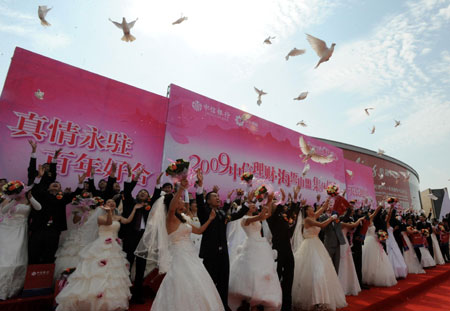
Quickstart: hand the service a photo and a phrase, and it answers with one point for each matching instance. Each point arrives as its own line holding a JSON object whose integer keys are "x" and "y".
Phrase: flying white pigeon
{"x": 380, "y": 152}
{"x": 42, "y": 12}
{"x": 374, "y": 170}
{"x": 39, "y": 94}
{"x": 432, "y": 196}
{"x": 302, "y": 96}
{"x": 305, "y": 169}
{"x": 127, "y": 37}
{"x": 295, "y": 52}
{"x": 309, "y": 152}
{"x": 260, "y": 93}
{"x": 302, "y": 123}
{"x": 350, "y": 173}
{"x": 381, "y": 176}
{"x": 397, "y": 123}
{"x": 372, "y": 130}
{"x": 382, "y": 184}
{"x": 367, "y": 110}
{"x": 321, "y": 49}
{"x": 267, "y": 41}
{"x": 358, "y": 160}
{"x": 180, "y": 20}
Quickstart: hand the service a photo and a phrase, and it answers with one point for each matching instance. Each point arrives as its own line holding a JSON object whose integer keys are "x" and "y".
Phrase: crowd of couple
{"x": 255, "y": 252}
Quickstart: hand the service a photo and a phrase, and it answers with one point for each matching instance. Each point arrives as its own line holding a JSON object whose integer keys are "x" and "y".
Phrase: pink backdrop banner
{"x": 224, "y": 143}
{"x": 94, "y": 119}
{"x": 359, "y": 179}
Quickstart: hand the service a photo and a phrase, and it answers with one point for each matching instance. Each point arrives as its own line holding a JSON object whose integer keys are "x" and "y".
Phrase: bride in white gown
{"x": 394, "y": 253}
{"x": 347, "y": 272}
{"x": 14, "y": 243}
{"x": 187, "y": 285}
{"x": 376, "y": 267}
{"x": 316, "y": 284}
{"x": 253, "y": 275}
{"x": 101, "y": 280}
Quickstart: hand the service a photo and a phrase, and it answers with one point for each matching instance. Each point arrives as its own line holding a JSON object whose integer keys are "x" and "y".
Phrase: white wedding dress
{"x": 101, "y": 280}
{"x": 187, "y": 285}
{"x": 81, "y": 234}
{"x": 315, "y": 280}
{"x": 395, "y": 256}
{"x": 376, "y": 267}
{"x": 196, "y": 238}
{"x": 253, "y": 275}
{"x": 235, "y": 237}
{"x": 438, "y": 258}
{"x": 411, "y": 260}
{"x": 426, "y": 260}
{"x": 347, "y": 272}
{"x": 13, "y": 249}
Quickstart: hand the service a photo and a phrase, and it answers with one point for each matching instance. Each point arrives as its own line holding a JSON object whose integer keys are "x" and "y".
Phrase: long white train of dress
{"x": 101, "y": 280}
{"x": 13, "y": 250}
{"x": 438, "y": 258}
{"x": 253, "y": 275}
{"x": 187, "y": 285}
{"x": 315, "y": 280}
{"x": 411, "y": 260}
{"x": 347, "y": 272}
{"x": 395, "y": 256}
{"x": 376, "y": 268}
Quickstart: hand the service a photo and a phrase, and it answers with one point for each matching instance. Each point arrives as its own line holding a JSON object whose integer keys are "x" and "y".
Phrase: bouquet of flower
{"x": 425, "y": 232}
{"x": 178, "y": 168}
{"x": 441, "y": 227}
{"x": 392, "y": 200}
{"x": 98, "y": 201}
{"x": 247, "y": 177}
{"x": 261, "y": 192}
{"x": 239, "y": 192}
{"x": 13, "y": 187}
{"x": 382, "y": 235}
{"x": 332, "y": 190}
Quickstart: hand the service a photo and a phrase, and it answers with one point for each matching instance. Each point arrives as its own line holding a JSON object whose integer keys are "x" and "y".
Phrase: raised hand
{"x": 41, "y": 171}
{"x": 129, "y": 170}
{"x": 138, "y": 173}
{"x": 251, "y": 195}
{"x": 57, "y": 153}
{"x": 81, "y": 178}
{"x": 296, "y": 191}
{"x": 158, "y": 180}
{"x": 33, "y": 145}
{"x": 230, "y": 194}
{"x": 113, "y": 168}
{"x": 199, "y": 177}
{"x": 216, "y": 189}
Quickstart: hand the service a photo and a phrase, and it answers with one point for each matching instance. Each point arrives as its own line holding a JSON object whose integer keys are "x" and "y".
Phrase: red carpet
{"x": 391, "y": 298}
{"x": 418, "y": 292}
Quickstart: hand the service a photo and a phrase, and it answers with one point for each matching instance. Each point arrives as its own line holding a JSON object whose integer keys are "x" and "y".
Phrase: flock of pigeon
{"x": 319, "y": 46}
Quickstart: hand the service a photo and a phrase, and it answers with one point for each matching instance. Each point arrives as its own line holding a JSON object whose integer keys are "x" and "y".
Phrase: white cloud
{"x": 445, "y": 12}
{"x": 24, "y": 25}
{"x": 234, "y": 28}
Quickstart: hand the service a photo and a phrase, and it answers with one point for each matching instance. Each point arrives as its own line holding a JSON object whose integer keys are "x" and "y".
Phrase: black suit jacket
{"x": 105, "y": 195}
{"x": 32, "y": 172}
{"x": 128, "y": 204}
{"x": 214, "y": 240}
{"x": 281, "y": 230}
{"x": 52, "y": 208}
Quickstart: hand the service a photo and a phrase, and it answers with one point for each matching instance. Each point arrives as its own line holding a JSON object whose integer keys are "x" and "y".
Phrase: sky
{"x": 393, "y": 56}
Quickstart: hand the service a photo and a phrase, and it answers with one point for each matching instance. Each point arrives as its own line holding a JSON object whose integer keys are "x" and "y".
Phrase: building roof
{"x": 369, "y": 152}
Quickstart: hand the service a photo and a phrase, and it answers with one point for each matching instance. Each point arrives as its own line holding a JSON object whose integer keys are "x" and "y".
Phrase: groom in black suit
{"x": 132, "y": 232}
{"x": 214, "y": 249}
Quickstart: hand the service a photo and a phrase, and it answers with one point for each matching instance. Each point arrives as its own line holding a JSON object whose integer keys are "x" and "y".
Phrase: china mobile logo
{"x": 197, "y": 106}
{"x": 38, "y": 273}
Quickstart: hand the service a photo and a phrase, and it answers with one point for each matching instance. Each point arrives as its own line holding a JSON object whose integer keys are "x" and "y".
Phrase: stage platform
{"x": 422, "y": 292}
